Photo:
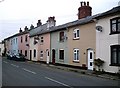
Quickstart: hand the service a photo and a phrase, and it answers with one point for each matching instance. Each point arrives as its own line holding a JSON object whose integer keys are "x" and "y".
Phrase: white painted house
{"x": 108, "y": 39}
{"x": 1, "y": 48}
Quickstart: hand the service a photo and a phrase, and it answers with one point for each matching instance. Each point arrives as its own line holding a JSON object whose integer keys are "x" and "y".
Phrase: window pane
{"x": 119, "y": 20}
{"x": 61, "y": 52}
{"x": 77, "y": 33}
{"x": 114, "y": 28}
{"x": 119, "y": 56}
{"x": 77, "y": 54}
{"x": 114, "y": 55}
{"x": 74, "y": 56}
{"x": 113, "y": 21}
{"x": 118, "y": 27}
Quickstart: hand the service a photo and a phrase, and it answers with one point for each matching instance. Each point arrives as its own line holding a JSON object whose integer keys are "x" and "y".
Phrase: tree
{"x": 98, "y": 62}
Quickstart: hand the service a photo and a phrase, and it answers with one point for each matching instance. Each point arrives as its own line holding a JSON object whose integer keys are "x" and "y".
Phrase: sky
{"x": 16, "y": 14}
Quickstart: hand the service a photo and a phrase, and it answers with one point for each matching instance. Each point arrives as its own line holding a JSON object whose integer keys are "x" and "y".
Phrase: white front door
{"x": 90, "y": 59}
{"x": 47, "y": 56}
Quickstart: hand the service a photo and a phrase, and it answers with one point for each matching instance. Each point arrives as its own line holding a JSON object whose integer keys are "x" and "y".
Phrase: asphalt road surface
{"x": 34, "y": 74}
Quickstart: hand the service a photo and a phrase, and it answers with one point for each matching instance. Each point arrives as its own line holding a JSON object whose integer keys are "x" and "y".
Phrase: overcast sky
{"x": 16, "y": 14}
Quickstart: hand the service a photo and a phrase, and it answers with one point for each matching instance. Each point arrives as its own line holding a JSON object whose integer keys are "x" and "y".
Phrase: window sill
{"x": 61, "y": 60}
{"x": 76, "y": 61}
{"x": 114, "y": 33}
{"x": 76, "y": 38}
{"x": 114, "y": 65}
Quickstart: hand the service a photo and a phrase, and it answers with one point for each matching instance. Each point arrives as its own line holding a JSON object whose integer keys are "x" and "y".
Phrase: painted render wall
{"x": 14, "y": 45}
{"x": 22, "y": 46}
{"x": 104, "y": 41}
{"x": 57, "y": 45}
{"x": 1, "y": 49}
{"x": 32, "y": 47}
{"x": 86, "y": 41}
{"x": 44, "y": 46}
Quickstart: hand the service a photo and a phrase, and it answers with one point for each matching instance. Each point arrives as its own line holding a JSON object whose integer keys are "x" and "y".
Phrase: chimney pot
{"x": 20, "y": 30}
{"x": 87, "y": 3}
{"x": 84, "y": 3}
{"x": 81, "y": 3}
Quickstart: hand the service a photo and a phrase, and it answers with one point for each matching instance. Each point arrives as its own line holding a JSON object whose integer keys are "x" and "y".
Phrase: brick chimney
{"x": 39, "y": 23}
{"x": 85, "y": 10}
{"x": 51, "y": 22}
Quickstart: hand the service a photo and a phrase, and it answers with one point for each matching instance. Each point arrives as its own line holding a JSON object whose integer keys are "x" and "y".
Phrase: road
{"x": 36, "y": 74}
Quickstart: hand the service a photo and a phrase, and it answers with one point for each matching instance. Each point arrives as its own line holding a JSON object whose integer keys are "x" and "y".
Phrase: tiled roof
{"x": 17, "y": 34}
{"x": 115, "y": 10}
{"x": 39, "y": 30}
{"x": 74, "y": 23}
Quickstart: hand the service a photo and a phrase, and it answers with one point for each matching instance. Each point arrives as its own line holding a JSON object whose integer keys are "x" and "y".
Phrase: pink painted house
{"x": 40, "y": 41}
{"x": 23, "y": 42}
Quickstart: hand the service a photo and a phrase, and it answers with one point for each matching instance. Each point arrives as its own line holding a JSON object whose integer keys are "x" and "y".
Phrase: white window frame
{"x": 75, "y": 33}
{"x": 77, "y": 57}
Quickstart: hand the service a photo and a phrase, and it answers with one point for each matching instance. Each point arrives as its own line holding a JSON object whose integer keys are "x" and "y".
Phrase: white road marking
{"x": 58, "y": 82}
{"x": 29, "y": 71}
{"x": 15, "y": 65}
{"x": 5, "y": 62}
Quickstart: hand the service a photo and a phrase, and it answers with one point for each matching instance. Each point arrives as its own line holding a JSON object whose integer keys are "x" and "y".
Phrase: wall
{"x": 103, "y": 42}
{"x": 87, "y": 40}
{"x": 57, "y": 45}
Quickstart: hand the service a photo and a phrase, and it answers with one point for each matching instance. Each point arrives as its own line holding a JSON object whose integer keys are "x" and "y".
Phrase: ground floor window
{"x": 21, "y": 51}
{"x": 34, "y": 53}
{"x": 76, "y": 55}
{"x": 26, "y": 53}
{"x": 115, "y": 55}
{"x": 61, "y": 54}
{"x": 41, "y": 54}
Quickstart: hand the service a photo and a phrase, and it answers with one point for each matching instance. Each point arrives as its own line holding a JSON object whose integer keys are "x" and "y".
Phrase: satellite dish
{"x": 99, "y": 28}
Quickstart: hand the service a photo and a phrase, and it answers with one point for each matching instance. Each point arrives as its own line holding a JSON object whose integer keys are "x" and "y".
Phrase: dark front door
{"x": 53, "y": 56}
{"x": 30, "y": 54}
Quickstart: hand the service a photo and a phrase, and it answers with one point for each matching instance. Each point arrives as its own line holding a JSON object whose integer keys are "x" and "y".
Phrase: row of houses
{"x": 75, "y": 43}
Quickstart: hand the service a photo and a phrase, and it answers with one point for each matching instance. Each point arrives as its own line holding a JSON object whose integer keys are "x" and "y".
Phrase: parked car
{"x": 9, "y": 56}
{"x": 19, "y": 57}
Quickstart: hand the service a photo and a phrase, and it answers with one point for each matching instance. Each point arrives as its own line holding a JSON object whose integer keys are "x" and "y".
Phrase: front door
{"x": 30, "y": 54}
{"x": 53, "y": 56}
{"x": 47, "y": 56}
{"x": 90, "y": 59}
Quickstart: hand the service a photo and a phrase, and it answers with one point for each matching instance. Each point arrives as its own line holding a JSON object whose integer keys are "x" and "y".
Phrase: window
{"x": 115, "y": 55}
{"x": 16, "y": 40}
{"x": 26, "y": 38}
{"x": 21, "y": 39}
{"x": 41, "y": 40}
{"x": 41, "y": 54}
{"x": 115, "y": 25}
{"x": 34, "y": 53}
{"x": 61, "y": 36}
{"x": 76, "y": 54}
{"x": 26, "y": 53}
{"x": 76, "y": 34}
{"x": 21, "y": 51}
{"x": 61, "y": 54}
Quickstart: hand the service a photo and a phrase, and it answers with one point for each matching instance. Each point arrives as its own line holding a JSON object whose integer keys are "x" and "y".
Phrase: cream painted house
{"x": 108, "y": 39}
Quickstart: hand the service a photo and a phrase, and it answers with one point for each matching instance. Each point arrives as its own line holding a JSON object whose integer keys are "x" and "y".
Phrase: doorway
{"x": 90, "y": 59}
{"x": 30, "y": 54}
{"x": 53, "y": 56}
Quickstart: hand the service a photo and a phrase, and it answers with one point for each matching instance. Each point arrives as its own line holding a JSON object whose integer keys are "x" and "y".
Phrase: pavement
{"x": 81, "y": 71}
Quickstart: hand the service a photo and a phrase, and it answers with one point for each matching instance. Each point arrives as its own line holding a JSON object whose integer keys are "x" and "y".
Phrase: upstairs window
{"x": 26, "y": 38}
{"x": 76, "y": 34}
{"x": 115, "y": 55}
{"x": 41, "y": 40}
{"x": 61, "y": 36}
{"x": 115, "y": 25}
